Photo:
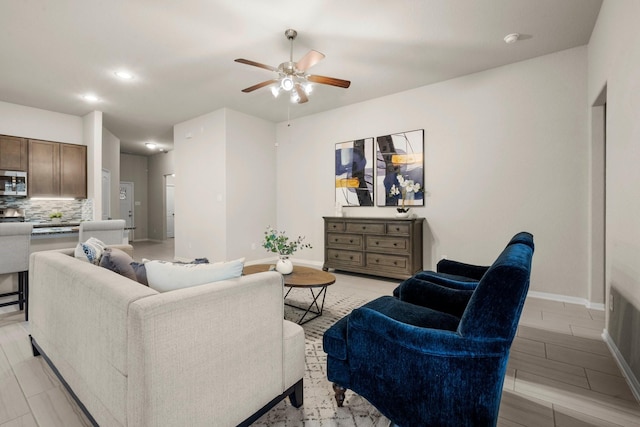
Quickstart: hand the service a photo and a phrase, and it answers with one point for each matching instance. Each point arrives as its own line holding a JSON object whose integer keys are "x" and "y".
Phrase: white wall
{"x": 614, "y": 61}
{"x": 35, "y": 123}
{"x": 111, "y": 162}
{"x": 251, "y": 184}
{"x": 225, "y": 185}
{"x": 505, "y": 150}
{"x": 135, "y": 169}
{"x": 160, "y": 164}
{"x": 92, "y": 136}
{"x": 200, "y": 187}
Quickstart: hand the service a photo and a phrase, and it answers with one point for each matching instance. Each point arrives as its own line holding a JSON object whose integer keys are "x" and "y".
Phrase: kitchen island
{"x": 48, "y": 236}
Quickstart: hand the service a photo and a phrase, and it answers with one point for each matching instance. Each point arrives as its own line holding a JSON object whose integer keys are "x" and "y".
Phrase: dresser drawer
{"x": 398, "y": 229}
{"x": 335, "y": 225}
{"x": 387, "y": 244}
{"x": 348, "y": 258}
{"x": 344, "y": 241}
{"x": 365, "y": 227}
{"x": 388, "y": 262}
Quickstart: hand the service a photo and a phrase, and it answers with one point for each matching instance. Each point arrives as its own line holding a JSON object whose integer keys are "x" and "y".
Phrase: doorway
{"x": 127, "y": 207}
{"x": 169, "y": 190}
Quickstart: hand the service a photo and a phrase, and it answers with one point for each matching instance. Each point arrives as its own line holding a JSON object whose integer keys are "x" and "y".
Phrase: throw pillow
{"x": 167, "y": 276}
{"x": 141, "y": 272}
{"x": 90, "y": 251}
{"x": 118, "y": 261}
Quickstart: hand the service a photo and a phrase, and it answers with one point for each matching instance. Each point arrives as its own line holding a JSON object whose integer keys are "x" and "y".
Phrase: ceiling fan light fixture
{"x": 275, "y": 91}
{"x": 307, "y": 87}
{"x": 287, "y": 83}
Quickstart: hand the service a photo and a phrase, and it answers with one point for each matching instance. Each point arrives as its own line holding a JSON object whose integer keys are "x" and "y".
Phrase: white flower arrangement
{"x": 406, "y": 186}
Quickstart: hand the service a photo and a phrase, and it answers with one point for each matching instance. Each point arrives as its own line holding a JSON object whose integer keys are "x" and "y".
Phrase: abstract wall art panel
{"x": 354, "y": 173}
{"x": 400, "y": 161}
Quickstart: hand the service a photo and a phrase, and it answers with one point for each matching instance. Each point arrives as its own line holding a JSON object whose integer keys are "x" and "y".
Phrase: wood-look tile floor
{"x": 560, "y": 371}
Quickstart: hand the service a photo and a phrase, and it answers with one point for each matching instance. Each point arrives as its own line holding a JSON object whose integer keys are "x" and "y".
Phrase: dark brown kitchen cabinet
{"x": 13, "y": 153}
{"x": 57, "y": 169}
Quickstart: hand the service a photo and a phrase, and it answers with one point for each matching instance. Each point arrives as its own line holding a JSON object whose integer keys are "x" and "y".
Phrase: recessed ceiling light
{"x": 511, "y": 38}
{"x": 124, "y": 75}
{"x": 151, "y": 145}
{"x": 90, "y": 97}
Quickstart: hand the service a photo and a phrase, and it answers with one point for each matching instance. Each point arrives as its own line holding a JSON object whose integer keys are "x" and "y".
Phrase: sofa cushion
{"x": 167, "y": 276}
{"x": 90, "y": 251}
{"x": 119, "y": 262}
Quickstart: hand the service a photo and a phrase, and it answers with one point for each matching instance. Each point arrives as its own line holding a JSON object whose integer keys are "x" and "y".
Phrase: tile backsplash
{"x": 39, "y": 210}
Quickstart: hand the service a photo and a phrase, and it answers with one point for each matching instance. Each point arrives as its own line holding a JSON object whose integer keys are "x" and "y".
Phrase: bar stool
{"x": 15, "y": 244}
{"x": 110, "y": 231}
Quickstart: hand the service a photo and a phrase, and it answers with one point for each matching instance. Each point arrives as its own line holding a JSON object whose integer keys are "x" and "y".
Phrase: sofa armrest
{"x": 209, "y": 352}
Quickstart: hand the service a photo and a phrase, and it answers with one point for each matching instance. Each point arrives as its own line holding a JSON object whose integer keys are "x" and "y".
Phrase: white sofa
{"x": 218, "y": 354}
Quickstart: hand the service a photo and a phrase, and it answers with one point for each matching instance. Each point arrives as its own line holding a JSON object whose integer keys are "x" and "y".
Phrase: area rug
{"x": 320, "y": 408}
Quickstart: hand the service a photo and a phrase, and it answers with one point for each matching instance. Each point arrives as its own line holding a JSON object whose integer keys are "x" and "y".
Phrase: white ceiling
{"x": 182, "y": 52}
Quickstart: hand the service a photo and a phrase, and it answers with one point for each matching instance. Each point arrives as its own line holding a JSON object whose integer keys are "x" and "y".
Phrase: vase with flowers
{"x": 278, "y": 242}
{"x": 404, "y": 190}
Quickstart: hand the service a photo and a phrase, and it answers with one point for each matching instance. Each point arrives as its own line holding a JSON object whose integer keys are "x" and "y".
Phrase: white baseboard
{"x": 633, "y": 382}
{"x": 568, "y": 299}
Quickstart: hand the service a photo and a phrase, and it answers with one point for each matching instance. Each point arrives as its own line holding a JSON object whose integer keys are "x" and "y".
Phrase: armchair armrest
{"x": 449, "y": 280}
{"x": 474, "y": 272}
{"x": 383, "y": 333}
{"x": 434, "y": 296}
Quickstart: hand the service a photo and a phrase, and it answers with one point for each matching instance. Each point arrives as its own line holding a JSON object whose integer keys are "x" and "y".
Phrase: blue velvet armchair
{"x": 460, "y": 275}
{"x": 420, "y": 366}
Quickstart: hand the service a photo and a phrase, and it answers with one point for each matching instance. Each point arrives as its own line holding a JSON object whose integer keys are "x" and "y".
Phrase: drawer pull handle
{"x": 377, "y": 260}
{"x": 351, "y": 241}
{"x": 351, "y": 257}
{"x": 337, "y": 256}
{"x": 395, "y": 244}
{"x": 377, "y": 243}
{"x": 395, "y": 262}
{"x": 397, "y": 228}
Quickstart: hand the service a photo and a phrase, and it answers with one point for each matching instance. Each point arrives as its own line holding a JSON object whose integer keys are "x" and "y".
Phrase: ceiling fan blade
{"x": 329, "y": 81}
{"x": 302, "y": 96}
{"x": 259, "y": 85}
{"x": 256, "y": 64}
{"x": 309, "y": 60}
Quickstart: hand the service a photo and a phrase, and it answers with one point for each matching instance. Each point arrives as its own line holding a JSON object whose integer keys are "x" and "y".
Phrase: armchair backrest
{"x": 109, "y": 231}
{"x": 494, "y": 309}
{"x": 522, "y": 237}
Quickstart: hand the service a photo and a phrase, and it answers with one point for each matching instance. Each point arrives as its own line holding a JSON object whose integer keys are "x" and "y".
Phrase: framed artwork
{"x": 354, "y": 173}
{"x": 400, "y": 169}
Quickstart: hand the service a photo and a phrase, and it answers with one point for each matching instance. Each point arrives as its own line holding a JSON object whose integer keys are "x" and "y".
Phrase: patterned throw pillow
{"x": 90, "y": 251}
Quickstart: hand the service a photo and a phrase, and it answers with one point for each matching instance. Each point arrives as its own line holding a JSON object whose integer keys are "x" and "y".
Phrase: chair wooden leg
{"x": 339, "y": 391}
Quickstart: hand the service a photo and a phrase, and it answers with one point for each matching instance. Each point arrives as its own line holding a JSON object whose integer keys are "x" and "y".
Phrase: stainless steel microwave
{"x": 13, "y": 183}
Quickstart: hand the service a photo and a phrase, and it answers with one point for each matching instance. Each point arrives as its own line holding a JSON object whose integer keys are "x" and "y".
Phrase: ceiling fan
{"x": 292, "y": 76}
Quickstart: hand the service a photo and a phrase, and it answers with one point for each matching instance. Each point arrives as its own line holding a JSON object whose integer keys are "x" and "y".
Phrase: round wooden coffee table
{"x": 303, "y": 278}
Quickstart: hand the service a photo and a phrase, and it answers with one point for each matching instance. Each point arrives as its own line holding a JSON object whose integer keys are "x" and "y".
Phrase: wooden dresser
{"x": 387, "y": 247}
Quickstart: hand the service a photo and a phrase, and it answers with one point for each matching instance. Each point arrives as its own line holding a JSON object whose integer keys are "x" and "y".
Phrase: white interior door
{"x": 170, "y": 212}
{"x": 126, "y": 206}
{"x": 106, "y": 194}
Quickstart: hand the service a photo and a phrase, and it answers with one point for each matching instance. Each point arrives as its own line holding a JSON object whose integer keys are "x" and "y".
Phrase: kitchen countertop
{"x": 49, "y": 229}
